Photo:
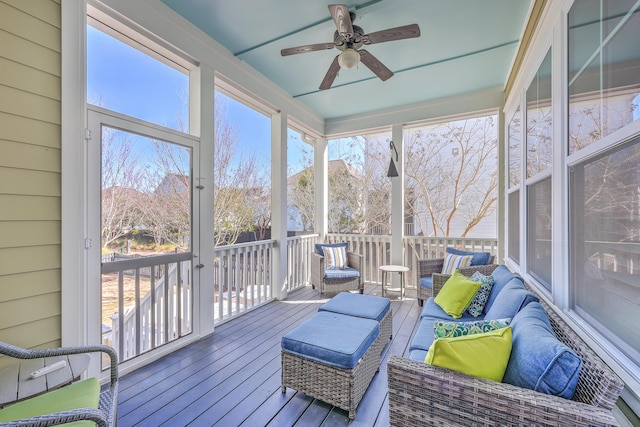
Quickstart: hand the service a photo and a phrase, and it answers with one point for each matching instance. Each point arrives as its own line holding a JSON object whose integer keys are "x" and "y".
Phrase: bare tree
{"x": 237, "y": 176}
{"x": 451, "y": 171}
{"x": 120, "y": 176}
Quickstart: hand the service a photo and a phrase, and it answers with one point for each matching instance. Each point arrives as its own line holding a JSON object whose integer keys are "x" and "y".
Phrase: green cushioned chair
{"x": 82, "y": 403}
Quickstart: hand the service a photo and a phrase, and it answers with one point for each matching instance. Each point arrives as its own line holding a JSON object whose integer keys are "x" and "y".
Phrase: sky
{"x": 119, "y": 77}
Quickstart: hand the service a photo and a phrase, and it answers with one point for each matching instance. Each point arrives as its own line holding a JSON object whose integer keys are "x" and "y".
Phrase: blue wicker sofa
{"x": 552, "y": 376}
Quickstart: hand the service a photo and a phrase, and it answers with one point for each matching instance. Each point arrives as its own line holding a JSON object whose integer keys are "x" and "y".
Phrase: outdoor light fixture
{"x": 392, "y": 166}
{"x": 349, "y": 59}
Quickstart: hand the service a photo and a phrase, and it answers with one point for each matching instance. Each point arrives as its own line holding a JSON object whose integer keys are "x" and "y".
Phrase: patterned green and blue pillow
{"x": 481, "y": 298}
{"x": 448, "y": 329}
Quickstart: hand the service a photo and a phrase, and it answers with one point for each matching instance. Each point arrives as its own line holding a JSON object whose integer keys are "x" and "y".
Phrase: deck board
{"x": 232, "y": 377}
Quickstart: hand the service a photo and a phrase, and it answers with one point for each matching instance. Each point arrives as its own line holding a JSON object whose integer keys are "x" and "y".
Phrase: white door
{"x": 142, "y": 211}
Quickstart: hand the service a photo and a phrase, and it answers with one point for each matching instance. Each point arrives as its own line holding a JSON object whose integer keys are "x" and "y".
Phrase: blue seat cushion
{"x": 424, "y": 336}
{"x": 427, "y": 282}
{"x": 511, "y": 299}
{"x": 418, "y": 355}
{"x": 539, "y": 361}
{"x": 431, "y": 309}
{"x": 331, "y": 338}
{"x": 479, "y": 258}
{"x": 367, "y": 306}
{"x": 346, "y": 273}
{"x": 319, "y": 246}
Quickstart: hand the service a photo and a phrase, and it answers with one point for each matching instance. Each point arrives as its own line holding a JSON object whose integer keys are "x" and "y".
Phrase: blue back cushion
{"x": 539, "y": 361}
{"x": 479, "y": 258}
{"x": 319, "y": 246}
{"x": 511, "y": 299}
{"x": 501, "y": 276}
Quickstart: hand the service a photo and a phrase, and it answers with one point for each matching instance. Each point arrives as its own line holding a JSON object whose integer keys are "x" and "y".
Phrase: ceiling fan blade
{"x": 378, "y": 68}
{"x": 340, "y": 14}
{"x": 306, "y": 48}
{"x": 397, "y": 33}
{"x": 331, "y": 74}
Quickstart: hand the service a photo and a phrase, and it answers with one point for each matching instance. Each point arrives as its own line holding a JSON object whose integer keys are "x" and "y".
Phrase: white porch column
{"x": 321, "y": 187}
{"x": 397, "y": 199}
{"x": 503, "y": 170}
{"x": 279, "y": 203}
{"x": 201, "y": 96}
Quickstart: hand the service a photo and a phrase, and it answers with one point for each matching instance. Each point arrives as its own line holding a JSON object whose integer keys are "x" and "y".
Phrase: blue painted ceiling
{"x": 465, "y": 46}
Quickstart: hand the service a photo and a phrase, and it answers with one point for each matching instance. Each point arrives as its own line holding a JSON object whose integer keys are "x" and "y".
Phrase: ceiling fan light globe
{"x": 349, "y": 59}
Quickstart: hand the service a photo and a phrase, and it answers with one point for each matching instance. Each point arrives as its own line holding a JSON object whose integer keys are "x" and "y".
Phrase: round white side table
{"x": 400, "y": 269}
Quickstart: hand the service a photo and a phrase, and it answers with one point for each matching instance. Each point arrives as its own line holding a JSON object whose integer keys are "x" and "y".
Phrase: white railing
{"x": 242, "y": 281}
{"x": 242, "y": 278}
{"x": 162, "y": 314}
{"x": 376, "y": 250}
{"x": 299, "y": 250}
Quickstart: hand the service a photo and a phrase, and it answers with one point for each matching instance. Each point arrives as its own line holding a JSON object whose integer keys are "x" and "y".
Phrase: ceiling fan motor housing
{"x": 354, "y": 42}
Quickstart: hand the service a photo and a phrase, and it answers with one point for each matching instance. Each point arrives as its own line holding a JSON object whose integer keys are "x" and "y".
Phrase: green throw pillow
{"x": 456, "y": 294}
{"x": 483, "y": 355}
{"x": 83, "y": 394}
{"x": 450, "y": 329}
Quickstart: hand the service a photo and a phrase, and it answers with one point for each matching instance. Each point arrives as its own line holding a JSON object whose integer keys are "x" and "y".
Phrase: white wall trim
{"x": 75, "y": 315}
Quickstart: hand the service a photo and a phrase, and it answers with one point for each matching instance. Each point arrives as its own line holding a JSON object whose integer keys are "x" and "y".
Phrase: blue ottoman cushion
{"x": 335, "y": 339}
{"x": 367, "y": 306}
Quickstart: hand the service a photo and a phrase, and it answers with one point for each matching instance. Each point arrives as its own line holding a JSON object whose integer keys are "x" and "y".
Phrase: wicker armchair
{"x": 433, "y": 268}
{"x": 104, "y": 416}
{"x": 422, "y": 394}
{"x": 319, "y": 280}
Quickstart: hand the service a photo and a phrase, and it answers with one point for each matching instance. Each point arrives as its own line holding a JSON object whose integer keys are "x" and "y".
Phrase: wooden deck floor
{"x": 232, "y": 377}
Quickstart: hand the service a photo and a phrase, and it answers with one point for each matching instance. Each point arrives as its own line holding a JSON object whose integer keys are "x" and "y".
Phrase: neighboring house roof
{"x": 333, "y": 166}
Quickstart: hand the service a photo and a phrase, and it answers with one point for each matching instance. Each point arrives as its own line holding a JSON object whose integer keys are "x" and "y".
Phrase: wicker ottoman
{"x": 367, "y": 306}
{"x": 332, "y": 357}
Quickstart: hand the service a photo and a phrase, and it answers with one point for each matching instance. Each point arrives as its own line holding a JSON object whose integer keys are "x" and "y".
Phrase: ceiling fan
{"x": 349, "y": 38}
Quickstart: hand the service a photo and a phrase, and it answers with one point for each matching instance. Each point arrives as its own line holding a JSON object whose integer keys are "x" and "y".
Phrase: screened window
{"x": 539, "y": 159}
{"x": 514, "y": 226}
{"x": 515, "y": 140}
{"x": 539, "y": 120}
{"x": 129, "y": 81}
{"x": 539, "y": 232}
{"x": 300, "y": 182}
{"x": 242, "y": 172}
{"x": 605, "y": 244}
{"x": 604, "y": 71}
{"x": 451, "y": 177}
{"x": 359, "y": 190}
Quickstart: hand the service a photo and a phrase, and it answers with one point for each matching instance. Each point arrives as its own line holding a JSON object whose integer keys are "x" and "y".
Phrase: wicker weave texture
{"x": 421, "y": 394}
{"x": 104, "y": 416}
{"x": 334, "y": 286}
{"x": 342, "y": 388}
